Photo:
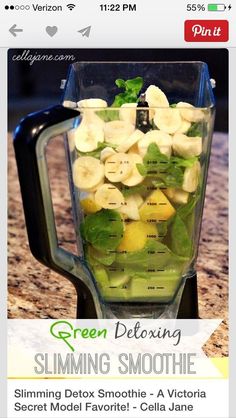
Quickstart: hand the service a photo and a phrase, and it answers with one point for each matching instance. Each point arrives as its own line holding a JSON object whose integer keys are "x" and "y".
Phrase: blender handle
{"x": 30, "y": 140}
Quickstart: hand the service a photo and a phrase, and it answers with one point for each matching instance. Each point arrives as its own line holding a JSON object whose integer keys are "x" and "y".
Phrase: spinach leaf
{"x": 181, "y": 244}
{"x": 172, "y": 177}
{"x": 107, "y": 115}
{"x": 162, "y": 228}
{"x": 154, "y": 162}
{"x": 182, "y": 162}
{"x": 185, "y": 210}
{"x": 103, "y": 230}
{"x": 154, "y": 254}
{"x": 166, "y": 172}
{"x": 128, "y": 191}
{"x": 104, "y": 257}
{"x": 196, "y": 129}
{"x": 142, "y": 169}
{"x": 120, "y": 83}
{"x": 132, "y": 89}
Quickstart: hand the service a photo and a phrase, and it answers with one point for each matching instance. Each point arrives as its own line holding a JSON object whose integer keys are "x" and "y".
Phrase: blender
{"x": 137, "y": 139}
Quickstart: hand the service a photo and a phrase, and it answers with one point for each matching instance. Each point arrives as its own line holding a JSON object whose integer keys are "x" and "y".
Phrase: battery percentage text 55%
{"x": 196, "y": 7}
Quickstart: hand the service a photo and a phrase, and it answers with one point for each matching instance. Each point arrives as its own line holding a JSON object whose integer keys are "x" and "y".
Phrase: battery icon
{"x": 216, "y": 7}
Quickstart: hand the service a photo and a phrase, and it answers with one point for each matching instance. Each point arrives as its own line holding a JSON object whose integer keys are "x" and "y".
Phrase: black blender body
{"x": 31, "y": 137}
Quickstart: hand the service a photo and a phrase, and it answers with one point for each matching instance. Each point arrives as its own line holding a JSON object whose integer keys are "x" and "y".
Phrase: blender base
{"x": 188, "y": 308}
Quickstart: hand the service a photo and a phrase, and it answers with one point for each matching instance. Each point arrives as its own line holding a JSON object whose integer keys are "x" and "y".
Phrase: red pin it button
{"x": 206, "y": 30}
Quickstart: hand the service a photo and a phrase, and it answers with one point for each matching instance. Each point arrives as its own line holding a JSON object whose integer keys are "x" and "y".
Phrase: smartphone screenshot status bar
{"x": 116, "y": 24}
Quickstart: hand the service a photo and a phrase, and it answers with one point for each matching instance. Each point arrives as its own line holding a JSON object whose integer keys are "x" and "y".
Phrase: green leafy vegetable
{"x": 128, "y": 191}
{"x": 154, "y": 161}
{"x": 166, "y": 171}
{"x": 107, "y": 115}
{"x": 173, "y": 105}
{"x": 196, "y": 129}
{"x": 183, "y": 162}
{"x": 120, "y": 83}
{"x": 162, "y": 228}
{"x": 142, "y": 169}
{"x": 181, "y": 226}
{"x": 171, "y": 177}
{"x": 185, "y": 210}
{"x": 131, "y": 92}
{"x": 103, "y": 230}
{"x": 181, "y": 243}
{"x": 155, "y": 254}
{"x": 104, "y": 257}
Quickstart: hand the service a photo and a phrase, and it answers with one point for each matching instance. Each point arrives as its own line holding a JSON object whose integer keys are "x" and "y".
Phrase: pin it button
{"x": 206, "y": 30}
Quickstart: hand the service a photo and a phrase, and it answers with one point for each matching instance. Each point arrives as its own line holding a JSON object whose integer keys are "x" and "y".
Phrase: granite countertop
{"x": 37, "y": 292}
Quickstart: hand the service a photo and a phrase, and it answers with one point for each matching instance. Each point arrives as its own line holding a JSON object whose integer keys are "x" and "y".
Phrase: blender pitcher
{"x": 137, "y": 139}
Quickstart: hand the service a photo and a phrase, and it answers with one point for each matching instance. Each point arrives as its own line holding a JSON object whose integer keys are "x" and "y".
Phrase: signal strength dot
{"x": 70, "y": 6}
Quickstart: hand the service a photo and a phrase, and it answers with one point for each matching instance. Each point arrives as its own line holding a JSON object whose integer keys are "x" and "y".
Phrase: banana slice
{"x": 118, "y": 167}
{"x": 88, "y": 109}
{"x": 168, "y": 120}
{"x": 88, "y": 172}
{"x": 127, "y": 112}
{"x": 135, "y": 177}
{"x": 89, "y": 117}
{"x": 184, "y": 127}
{"x": 71, "y": 139}
{"x": 189, "y": 112}
{"x": 87, "y": 136}
{"x": 138, "y": 199}
{"x": 109, "y": 196}
{"x": 162, "y": 139}
{"x": 94, "y": 103}
{"x": 117, "y": 131}
{"x": 177, "y": 195}
{"x": 186, "y": 146}
{"x": 130, "y": 208}
{"x": 69, "y": 103}
{"x": 106, "y": 152}
{"x": 155, "y": 97}
{"x": 191, "y": 177}
{"x": 130, "y": 141}
{"x": 94, "y": 189}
